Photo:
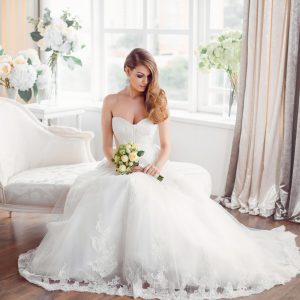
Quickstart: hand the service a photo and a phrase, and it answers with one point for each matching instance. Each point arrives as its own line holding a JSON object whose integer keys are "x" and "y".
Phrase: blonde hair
{"x": 155, "y": 97}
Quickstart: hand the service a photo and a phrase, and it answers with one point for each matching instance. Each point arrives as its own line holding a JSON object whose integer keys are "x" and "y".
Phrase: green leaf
{"x": 29, "y": 61}
{"x": 140, "y": 153}
{"x": 39, "y": 72}
{"x": 48, "y": 49}
{"x": 76, "y": 60}
{"x": 1, "y": 51}
{"x": 35, "y": 90}
{"x": 36, "y": 36}
{"x": 25, "y": 95}
{"x": 69, "y": 23}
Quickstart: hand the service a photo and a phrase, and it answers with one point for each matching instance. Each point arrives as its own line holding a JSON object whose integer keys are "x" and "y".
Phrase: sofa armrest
{"x": 70, "y": 132}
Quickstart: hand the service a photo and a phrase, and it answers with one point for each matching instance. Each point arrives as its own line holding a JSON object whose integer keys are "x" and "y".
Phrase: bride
{"x": 137, "y": 236}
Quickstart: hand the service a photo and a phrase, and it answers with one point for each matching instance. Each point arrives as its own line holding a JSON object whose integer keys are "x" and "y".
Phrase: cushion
{"x": 44, "y": 187}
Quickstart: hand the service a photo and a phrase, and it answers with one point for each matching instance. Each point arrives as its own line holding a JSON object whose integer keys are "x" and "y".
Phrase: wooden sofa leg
{"x": 9, "y": 214}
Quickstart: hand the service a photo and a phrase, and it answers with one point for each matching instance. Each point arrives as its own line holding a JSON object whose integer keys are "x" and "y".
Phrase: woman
{"x": 135, "y": 235}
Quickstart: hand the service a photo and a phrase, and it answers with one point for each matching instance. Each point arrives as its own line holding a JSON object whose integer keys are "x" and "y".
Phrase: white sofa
{"x": 38, "y": 163}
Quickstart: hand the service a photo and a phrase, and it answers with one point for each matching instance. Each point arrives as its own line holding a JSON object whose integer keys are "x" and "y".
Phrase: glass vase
{"x": 54, "y": 83}
{"x": 229, "y": 105}
{"x": 11, "y": 93}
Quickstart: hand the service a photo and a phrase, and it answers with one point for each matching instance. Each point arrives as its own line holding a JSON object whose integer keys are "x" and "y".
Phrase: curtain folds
{"x": 288, "y": 203}
{"x": 265, "y": 146}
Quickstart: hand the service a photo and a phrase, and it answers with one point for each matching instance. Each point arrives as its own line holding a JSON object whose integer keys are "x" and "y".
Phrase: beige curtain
{"x": 14, "y": 28}
{"x": 253, "y": 177}
{"x": 288, "y": 203}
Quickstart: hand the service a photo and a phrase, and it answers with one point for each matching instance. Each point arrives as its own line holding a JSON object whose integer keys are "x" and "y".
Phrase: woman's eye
{"x": 139, "y": 76}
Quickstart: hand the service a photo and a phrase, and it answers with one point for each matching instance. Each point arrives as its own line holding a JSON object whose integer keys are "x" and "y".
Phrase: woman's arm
{"x": 107, "y": 132}
{"x": 165, "y": 148}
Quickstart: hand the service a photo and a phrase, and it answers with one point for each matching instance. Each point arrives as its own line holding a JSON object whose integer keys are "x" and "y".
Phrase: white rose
{"x": 134, "y": 147}
{"x": 133, "y": 156}
{"x": 122, "y": 168}
{"x": 5, "y": 69}
{"x": 32, "y": 55}
{"x": 19, "y": 60}
{"x": 5, "y": 59}
{"x": 124, "y": 158}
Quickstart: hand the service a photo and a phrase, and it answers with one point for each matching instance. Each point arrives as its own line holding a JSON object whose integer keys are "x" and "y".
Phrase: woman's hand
{"x": 137, "y": 169}
{"x": 151, "y": 170}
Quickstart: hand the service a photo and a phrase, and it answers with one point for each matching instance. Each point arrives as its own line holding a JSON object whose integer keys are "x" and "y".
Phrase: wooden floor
{"x": 24, "y": 231}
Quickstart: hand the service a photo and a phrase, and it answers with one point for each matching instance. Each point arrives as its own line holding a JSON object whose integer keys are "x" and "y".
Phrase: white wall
{"x": 203, "y": 144}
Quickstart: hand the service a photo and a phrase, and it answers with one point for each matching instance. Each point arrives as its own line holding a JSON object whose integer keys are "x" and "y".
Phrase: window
{"x": 171, "y": 30}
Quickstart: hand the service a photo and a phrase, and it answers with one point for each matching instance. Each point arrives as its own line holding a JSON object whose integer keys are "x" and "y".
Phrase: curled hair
{"x": 155, "y": 97}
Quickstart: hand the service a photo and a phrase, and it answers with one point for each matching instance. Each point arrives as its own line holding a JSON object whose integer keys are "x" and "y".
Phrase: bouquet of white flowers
{"x": 126, "y": 157}
{"x": 24, "y": 73}
{"x": 223, "y": 53}
{"x": 57, "y": 35}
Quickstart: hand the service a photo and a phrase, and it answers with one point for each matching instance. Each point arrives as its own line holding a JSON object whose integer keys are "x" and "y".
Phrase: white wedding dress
{"x": 134, "y": 235}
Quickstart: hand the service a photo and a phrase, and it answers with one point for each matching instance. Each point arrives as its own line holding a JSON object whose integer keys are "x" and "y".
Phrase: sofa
{"x": 38, "y": 163}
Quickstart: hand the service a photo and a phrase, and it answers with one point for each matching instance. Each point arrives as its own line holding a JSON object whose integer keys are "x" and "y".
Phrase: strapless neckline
{"x": 139, "y": 122}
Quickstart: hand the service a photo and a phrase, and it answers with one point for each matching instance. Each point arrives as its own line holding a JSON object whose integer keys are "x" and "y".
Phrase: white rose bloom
{"x": 19, "y": 60}
{"x": 44, "y": 79}
{"x": 122, "y": 168}
{"x": 5, "y": 69}
{"x": 124, "y": 158}
{"x": 23, "y": 77}
{"x": 5, "y": 59}
{"x": 133, "y": 156}
{"x": 32, "y": 55}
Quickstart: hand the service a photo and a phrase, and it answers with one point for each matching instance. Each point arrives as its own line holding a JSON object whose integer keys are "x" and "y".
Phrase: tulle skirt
{"x": 134, "y": 235}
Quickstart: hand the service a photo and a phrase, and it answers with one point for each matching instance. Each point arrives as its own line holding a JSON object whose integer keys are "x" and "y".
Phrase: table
{"x": 46, "y": 112}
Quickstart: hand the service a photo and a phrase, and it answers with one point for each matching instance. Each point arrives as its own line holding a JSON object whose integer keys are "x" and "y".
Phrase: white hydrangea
{"x": 23, "y": 77}
{"x": 32, "y": 55}
{"x": 53, "y": 37}
{"x": 44, "y": 78}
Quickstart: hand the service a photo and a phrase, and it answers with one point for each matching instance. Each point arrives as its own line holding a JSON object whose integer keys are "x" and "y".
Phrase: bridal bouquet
{"x": 126, "y": 157}
{"x": 223, "y": 53}
{"x": 24, "y": 73}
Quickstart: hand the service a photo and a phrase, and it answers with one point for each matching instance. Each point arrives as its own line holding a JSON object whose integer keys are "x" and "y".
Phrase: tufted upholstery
{"x": 38, "y": 163}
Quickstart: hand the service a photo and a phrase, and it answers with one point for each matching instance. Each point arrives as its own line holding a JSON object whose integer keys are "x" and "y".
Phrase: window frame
{"x": 198, "y": 32}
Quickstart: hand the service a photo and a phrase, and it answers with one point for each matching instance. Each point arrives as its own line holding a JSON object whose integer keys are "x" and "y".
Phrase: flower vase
{"x": 229, "y": 105}
{"x": 11, "y": 93}
{"x": 55, "y": 82}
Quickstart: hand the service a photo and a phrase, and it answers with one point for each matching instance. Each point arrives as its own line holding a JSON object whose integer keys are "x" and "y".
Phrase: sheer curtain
{"x": 254, "y": 172}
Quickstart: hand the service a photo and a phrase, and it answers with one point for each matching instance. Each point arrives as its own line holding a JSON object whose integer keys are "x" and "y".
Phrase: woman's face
{"x": 139, "y": 77}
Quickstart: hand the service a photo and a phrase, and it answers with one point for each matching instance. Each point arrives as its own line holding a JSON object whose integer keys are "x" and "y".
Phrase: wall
{"x": 203, "y": 144}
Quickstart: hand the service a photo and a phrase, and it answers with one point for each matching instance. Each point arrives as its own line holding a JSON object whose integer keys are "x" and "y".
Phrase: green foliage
{"x": 25, "y": 95}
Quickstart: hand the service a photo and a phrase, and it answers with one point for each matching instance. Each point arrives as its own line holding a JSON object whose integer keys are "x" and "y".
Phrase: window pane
{"x": 117, "y": 47}
{"x": 171, "y": 55}
{"x": 226, "y": 14}
{"x": 123, "y": 14}
{"x": 168, "y": 14}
